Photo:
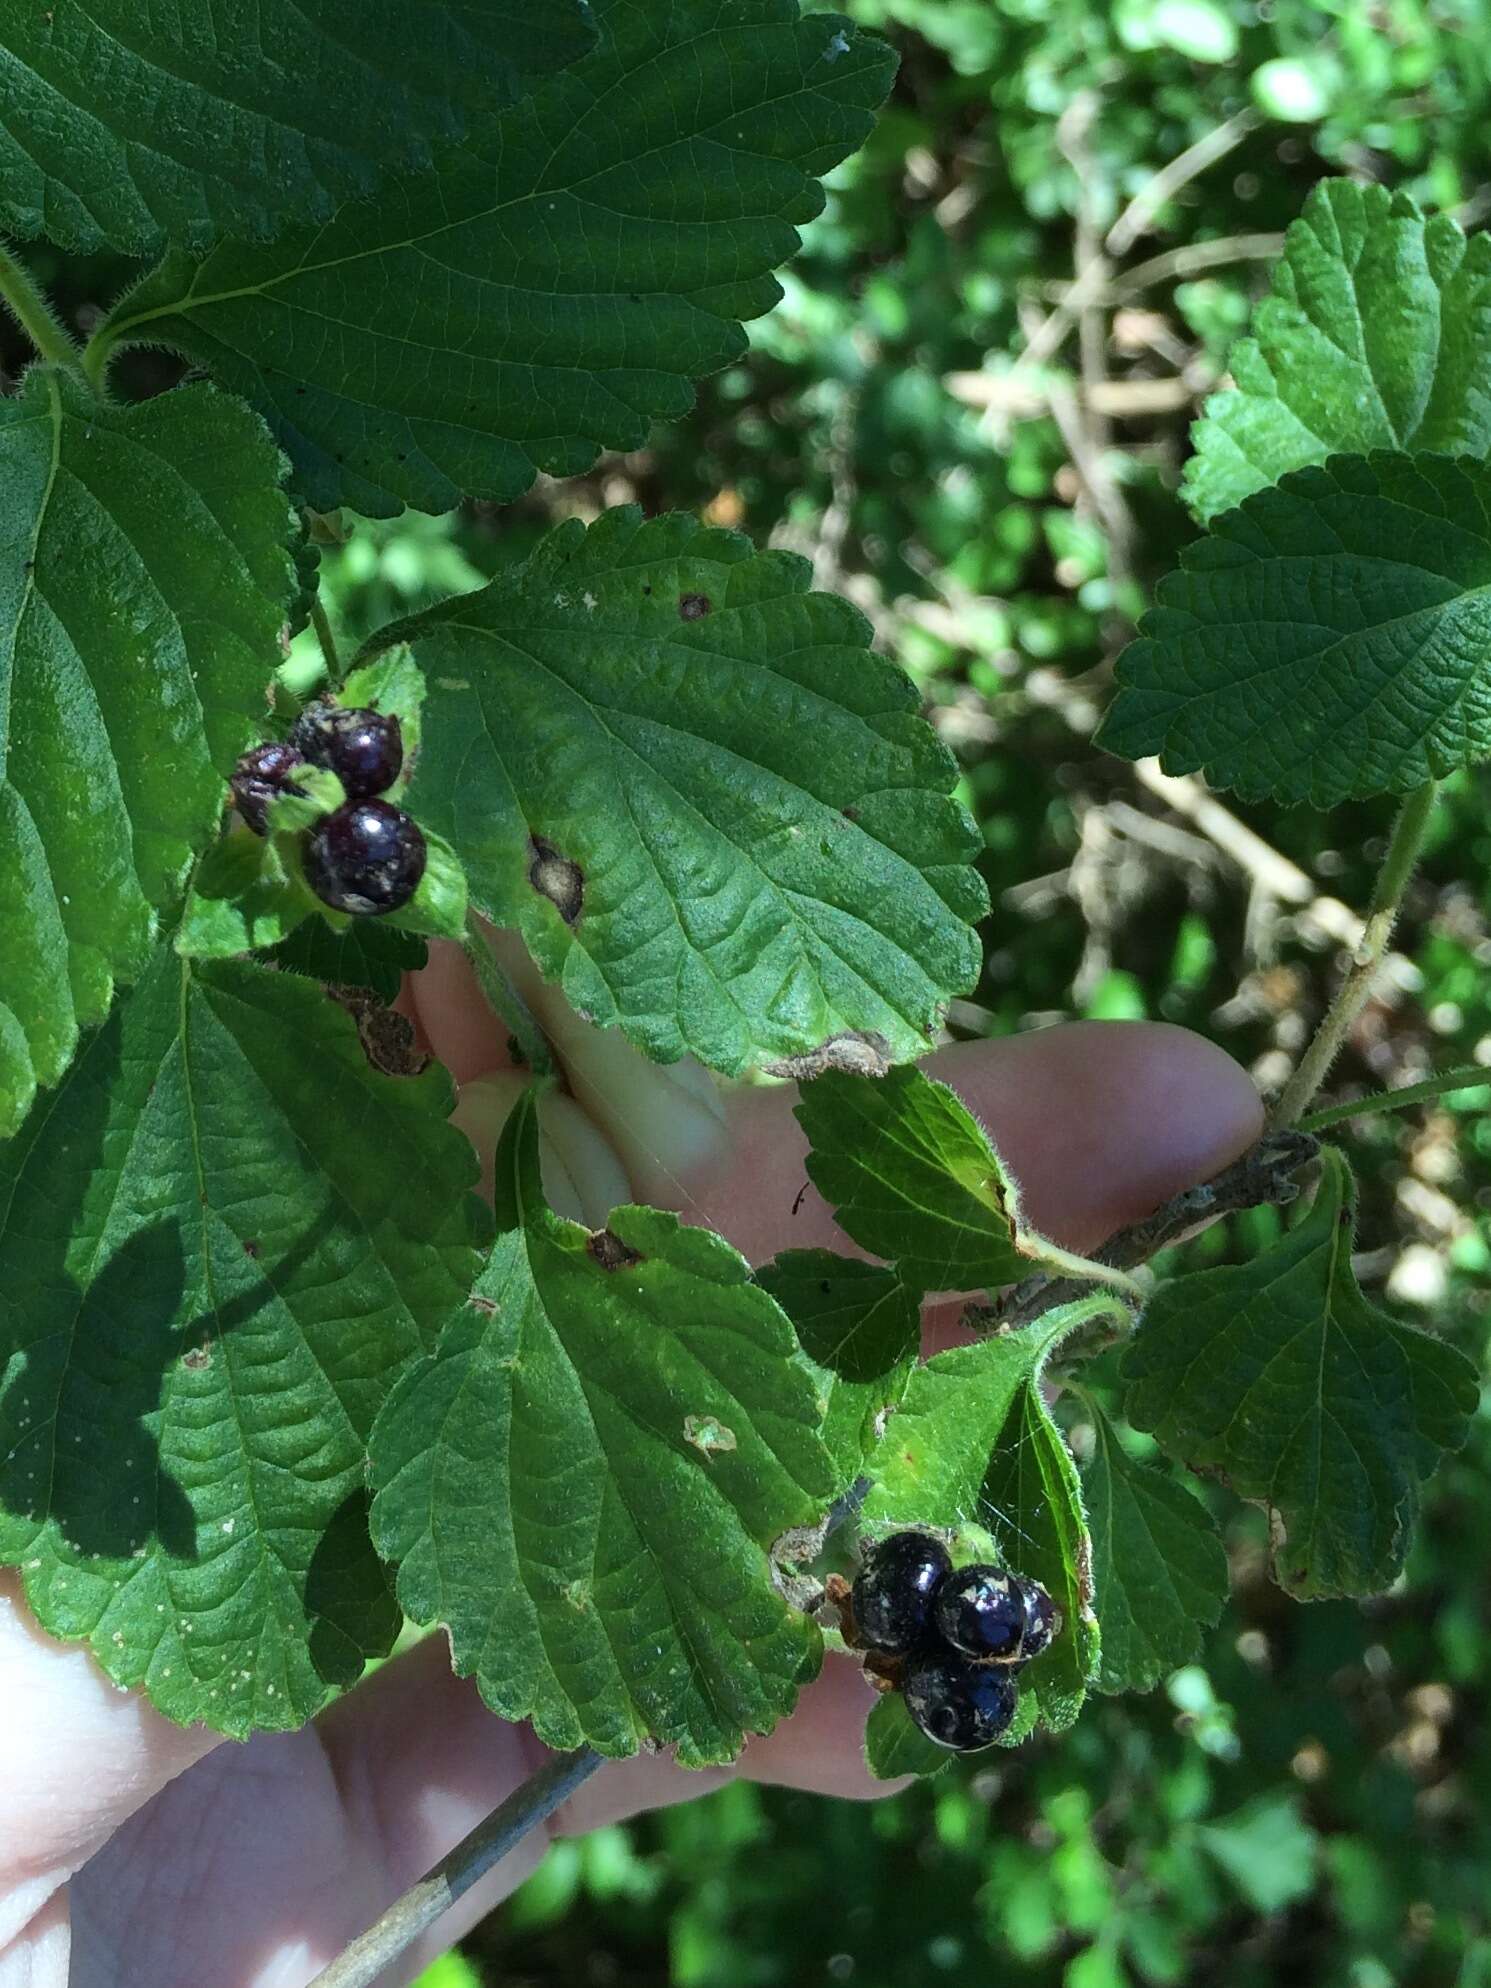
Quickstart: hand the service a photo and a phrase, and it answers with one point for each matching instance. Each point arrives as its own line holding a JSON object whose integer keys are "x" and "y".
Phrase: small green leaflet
{"x": 584, "y": 1481}
{"x": 973, "y": 1443}
{"x": 895, "y": 1745}
{"x": 911, "y": 1175}
{"x": 366, "y": 952}
{"x": 1377, "y": 336}
{"x": 1327, "y": 641}
{"x": 1279, "y": 1375}
{"x": 146, "y": 576}
{"x": 127, "y": 123}
{"x": 717, "y": 819}
{"x": 220, "y": 1241}
{"x": 860, "y": 1326}
{"x": 1159, "y": 1570}
{"x": 558, "y": 285}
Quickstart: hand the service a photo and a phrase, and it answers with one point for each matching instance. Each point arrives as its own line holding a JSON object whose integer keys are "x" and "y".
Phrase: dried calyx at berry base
{"x": 952, "y": 1640}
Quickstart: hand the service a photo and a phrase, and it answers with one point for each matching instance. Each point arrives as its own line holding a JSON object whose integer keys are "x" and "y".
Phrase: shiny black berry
{"x": 981, "y": 1612}
{"x": 1042, "y": 1620}
{"x": 959, "y": 1704}
{"x": 367, "y": 857}
{"x": 895, "y": 1589}
{"x": 261, "y": 774}
{"x": 363, "y": 748}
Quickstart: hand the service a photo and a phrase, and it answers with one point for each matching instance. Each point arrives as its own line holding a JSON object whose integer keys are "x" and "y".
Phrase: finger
{"x": 454, "y": 1016}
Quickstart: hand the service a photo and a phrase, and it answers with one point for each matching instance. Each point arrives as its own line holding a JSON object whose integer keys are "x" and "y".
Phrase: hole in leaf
{"x": 558, "y": 879}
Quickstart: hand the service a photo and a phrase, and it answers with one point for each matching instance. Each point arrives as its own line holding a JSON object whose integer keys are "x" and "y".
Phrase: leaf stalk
{"x": 506, "y": 1003}
{"x": 29, "y": 307}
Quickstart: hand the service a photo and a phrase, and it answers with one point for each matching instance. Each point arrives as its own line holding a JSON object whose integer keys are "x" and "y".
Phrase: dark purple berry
{"x": 895, "y": 1589}
{"x": 363, "y": 748}
{"x": 981, "y": 1612}
{"x": 1042, "y": 1620}
{"x": 262, "y": 774}
{"x": 367, "y": 857}
{"x": 959, "y": 1704}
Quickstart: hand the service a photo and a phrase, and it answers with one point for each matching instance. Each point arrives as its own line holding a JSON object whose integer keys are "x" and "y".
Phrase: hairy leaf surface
{"x": 1377, "y": 335}
{"x": 715, "y": 817}
{"x": 555, "y": 289}
{"x": 584, "y": 1480}
{"x": 144, "y": 577}
{"x": 1278, "y": 1374}
{"x": 219, "y": 1243}
{"x": 1328, "y": 641}
{"x": 134, "y": 122}
{"x": 1159, "y": 1570}
{"x": 973, "y": 1443}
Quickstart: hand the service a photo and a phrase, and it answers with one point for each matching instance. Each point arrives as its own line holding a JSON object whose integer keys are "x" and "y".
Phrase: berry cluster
{"x": 368, "y": 856}
{"x": 958, "y": 1637}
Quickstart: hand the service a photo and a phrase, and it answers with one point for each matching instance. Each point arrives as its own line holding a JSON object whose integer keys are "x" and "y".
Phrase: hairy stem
{"x": 1382, "y": 914}
{"x": 1470, "y": 1077}
{"x": 506, "y": 1003}
{"x": 360, "y": 1964}
{"x": 33, "y": 313}
{"x": 328, "y": 641}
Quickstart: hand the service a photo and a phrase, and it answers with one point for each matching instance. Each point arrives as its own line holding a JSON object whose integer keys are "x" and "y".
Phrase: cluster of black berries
{"x": 368, "y": 856}
{"x": 959, "y": 1637}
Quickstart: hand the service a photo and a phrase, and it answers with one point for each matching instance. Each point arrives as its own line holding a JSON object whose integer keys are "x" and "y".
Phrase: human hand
{"x": 133, "y": 1851}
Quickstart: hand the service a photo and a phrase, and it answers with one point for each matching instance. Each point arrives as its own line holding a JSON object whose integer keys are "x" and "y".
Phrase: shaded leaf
{"x": 146, "y": 575}
{"x": 894, "y": 1744}
{"x": 219, "y": 1243}
{"x": 1278, "y": 1374}
{"x": 1267, "y": 1849}
{"x": 728, "y": 832}
{"x": 1327, "y": 641}
{"x": 556, "y": 288}
{"x": 130, "y": 122}
{"x": 1377, "y": 335}
{"x": 1159, "y": 1570}
{"x": 585, "y": 1479}
{"x": 366, "y": 952}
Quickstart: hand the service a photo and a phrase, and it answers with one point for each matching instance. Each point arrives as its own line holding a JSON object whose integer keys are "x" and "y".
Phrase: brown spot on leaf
{"x": 850, "y": 813}
{"x": 196, "y": 1357}
{"x": 609, "y": 1251}
{"x": 388, "y": 1039}
{"x": 558, "y": 879}
{"x": 486, "y": 1306}
{"x": 694, "y": 607}
{"x": 251, "y": 1248}
{"x": 708, "y": 1435}
{"x": 861, "y": 1052}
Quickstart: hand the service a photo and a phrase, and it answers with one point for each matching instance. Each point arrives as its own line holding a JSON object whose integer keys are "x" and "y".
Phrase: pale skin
{"x": 134, "y": 1851}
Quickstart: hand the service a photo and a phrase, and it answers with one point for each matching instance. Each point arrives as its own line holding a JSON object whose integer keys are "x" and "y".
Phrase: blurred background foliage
{"x": 969, "y": 412}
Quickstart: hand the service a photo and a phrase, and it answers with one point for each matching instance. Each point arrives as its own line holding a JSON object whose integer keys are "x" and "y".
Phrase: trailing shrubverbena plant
{"x": 271, "y": 1379}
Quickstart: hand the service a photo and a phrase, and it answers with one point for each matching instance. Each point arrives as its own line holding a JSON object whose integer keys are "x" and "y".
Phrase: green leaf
{"x": 860, "y": 1326}
{"x": 1159, "y": 1570}
{"x": 895, "y": 1745}
{"x": 437, "y": 909}
{"x": 1327, "y": 641}
{"x": 365, "y": 952}
{"x": 392, "y": 682}
{"x": 911, "y": 1175}
{"x": 1267, "y": 1849}
{"x": 715, "y": 817}
{"x": 130, "y": 122}
{"x": 1278, "y": 1375}
{"x": 1377, "y": 335}
{"x": 219, "y": 1243}
{"x": 974, "y": 1444}
{"x": 584, "y": 1481}
{"x": 244, "y": 896}
{"x": 144, "y": 578}
{"x": 559, "y": 285}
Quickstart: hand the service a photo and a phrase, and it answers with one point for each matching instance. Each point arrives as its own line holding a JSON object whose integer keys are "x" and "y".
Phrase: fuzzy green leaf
{"x": 1281, "y": 1377}
{"x": 559, "y": 285}
{"x": 715, "y": 817}
{"x": 1377, "y": 335}
{"x": 1328, "y": 641}
{"x": 365, "y": 952}
{"x": 895, "y": 1745}
{"x": 145, "y": 574}
{"x": 585, "y": 1479}
{"x": 134, "y": 122}
{"x": 860, "y": 1326}
{"x": 219, "y": 1243}
{"x": 1159, "y": 1570}
{"x": 911, "y": 1175}
{"x": 973, "y": 1444}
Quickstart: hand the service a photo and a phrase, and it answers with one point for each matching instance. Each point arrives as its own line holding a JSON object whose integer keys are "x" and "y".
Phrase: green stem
{"x": 1382, "y": 914}
{"x": 1083, "y": 1269}
{"x": 366, "y": 1960}
{"x": 506, "y": 1003}
{"x": 33, "y": 313}
{"x": 1471, "y": 1077}
{"x": 328, "y": 641}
